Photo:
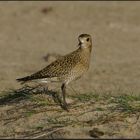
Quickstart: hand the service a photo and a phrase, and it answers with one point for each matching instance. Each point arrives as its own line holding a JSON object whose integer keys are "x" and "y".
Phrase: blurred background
{"x": 31, "y": 30}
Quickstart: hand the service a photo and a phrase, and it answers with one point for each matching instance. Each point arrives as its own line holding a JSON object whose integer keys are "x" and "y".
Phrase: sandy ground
{"x": 31, "y": 30}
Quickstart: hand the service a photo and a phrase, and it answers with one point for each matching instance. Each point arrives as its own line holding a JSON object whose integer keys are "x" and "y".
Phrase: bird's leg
{"x": 43, "y": 87}
{"x": 63, "y": 87}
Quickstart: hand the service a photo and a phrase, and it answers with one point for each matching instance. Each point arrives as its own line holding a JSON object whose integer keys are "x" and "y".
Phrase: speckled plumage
{"x": 68, "y": 67}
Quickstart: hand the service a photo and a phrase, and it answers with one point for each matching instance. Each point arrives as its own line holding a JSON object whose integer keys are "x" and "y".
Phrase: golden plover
{"x": 66, "y": 68}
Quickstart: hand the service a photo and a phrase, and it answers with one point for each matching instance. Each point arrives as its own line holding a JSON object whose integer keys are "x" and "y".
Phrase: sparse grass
{"x": 40, "y": 127}
{"x": 33, "y": 94}
{"x": 57, "y": 121}
{"x": 30, "y": 113}
{"x": 126, "y": 103}
{"x": 99, "y": 109}
{"x": 105, "y": 108}
{"x": 85, "y": 97}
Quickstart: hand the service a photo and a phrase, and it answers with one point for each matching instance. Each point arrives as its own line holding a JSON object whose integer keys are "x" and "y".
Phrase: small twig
{"x": 46, "y": 134}
{"x": 91, "y": 110}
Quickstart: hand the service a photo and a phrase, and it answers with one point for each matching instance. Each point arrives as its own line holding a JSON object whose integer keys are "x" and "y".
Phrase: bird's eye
{"x": 87, "y": 39}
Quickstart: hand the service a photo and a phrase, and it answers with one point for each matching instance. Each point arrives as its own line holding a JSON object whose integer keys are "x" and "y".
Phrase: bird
{"x": 66, "y": 68}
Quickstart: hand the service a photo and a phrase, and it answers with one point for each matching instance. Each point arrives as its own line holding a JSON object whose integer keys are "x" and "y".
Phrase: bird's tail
{"x": 24, "y": 79}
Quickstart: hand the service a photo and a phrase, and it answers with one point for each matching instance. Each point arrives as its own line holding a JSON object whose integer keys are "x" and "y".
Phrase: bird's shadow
{"x": 15, "y": 96}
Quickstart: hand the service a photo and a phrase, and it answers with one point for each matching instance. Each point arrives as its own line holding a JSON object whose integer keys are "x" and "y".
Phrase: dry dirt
{"x": 104, "y": 103}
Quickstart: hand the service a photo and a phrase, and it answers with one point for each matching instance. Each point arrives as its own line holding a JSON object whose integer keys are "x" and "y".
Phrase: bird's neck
{"x": 85, "y": 54}
{"x": 86, "y": 49}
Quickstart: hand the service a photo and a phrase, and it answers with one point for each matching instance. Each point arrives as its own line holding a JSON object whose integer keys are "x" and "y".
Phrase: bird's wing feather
{"x": 59, "y": 67}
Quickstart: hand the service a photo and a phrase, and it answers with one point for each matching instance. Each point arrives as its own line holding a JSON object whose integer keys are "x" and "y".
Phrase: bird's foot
{"x": 65, "y": 107}
{"x": 45, "y": 89}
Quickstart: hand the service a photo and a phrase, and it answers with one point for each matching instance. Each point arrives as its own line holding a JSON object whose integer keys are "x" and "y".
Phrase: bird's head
{"x": 85, "y": 41}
